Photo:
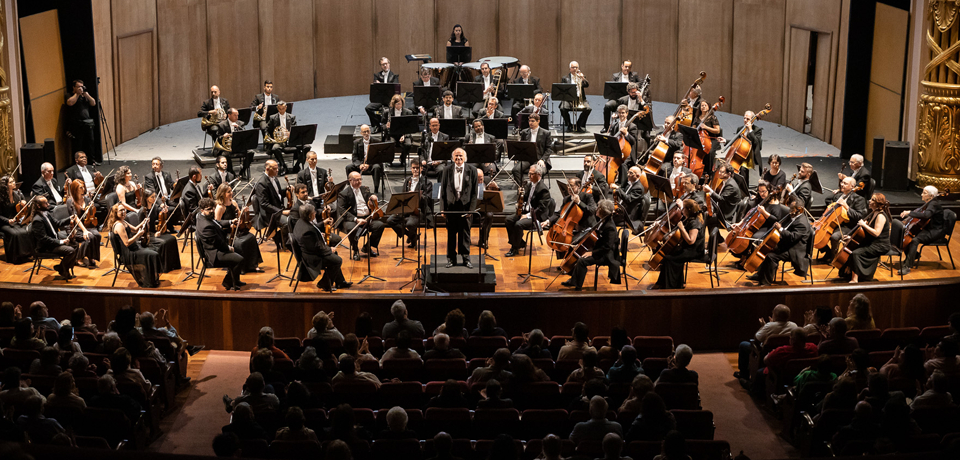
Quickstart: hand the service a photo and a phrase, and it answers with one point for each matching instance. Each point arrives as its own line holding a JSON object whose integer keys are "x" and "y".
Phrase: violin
{"x": 768, "y": 244}
{"x": 289, "y": 193}
{"x": 658, "y": 152}
{"x": 91, "y": 219}
{"x": 24, "y": 210}
{"x": 561, "y": 233}
{"x": 520, "y": 199}
{"x": 97, "y": 180}
{"x": 696, "y": 158}
{"x": 244, "y": 219}
{"x": 327, "y": 227}
{"x": 138, "y": 191}
{"x": 738, "y": 150}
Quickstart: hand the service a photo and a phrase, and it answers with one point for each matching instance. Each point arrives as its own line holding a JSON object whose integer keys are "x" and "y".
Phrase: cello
{"x": 696, "y": 158}
{"x": 612, "y": 167}
{"x": 738, "y": 150}
{"x": 560, "y": 235}
{"x": 738, "y": 240}
{"x": 912, "y": 226}
{"x": 768, "y": 244}
{"x": 582, "y": 249}
{"x": 658, "y": 152}
{"x": 669, "y": 244}
{"x": 832, "y": 218}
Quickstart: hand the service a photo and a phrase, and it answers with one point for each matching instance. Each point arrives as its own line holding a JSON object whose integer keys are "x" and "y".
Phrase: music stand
{"x": 564, "y": 188}
{"x": 425, "y": 58}
{"x": 522, "y": 151}
{"x": 403, "y": 125}
{"x": 454, "y": 127}
{"x": 609, "y": 146}
{"x": 272, "y": 109}
{"x": 426, "y": 96}
{"x": 691, "y": 138}
{"x": 479, "y": 154}
{"x": 815, "y": 183}
{"x": 520, "y": 91}
{"x": 382, "y": 92}
{"x": 613, "y": 90}
{"x": 496, "y": 126}
{"x": 403, "y": 204}
{"x": 459, "y": 54}
{"x": 332, "y": 194}
{"x": 243, "y": 115}
{"x": 660, "y": 187}
{"x": 469, "y": 92}
{"x": 302, "y": 135}
{"x": 243, "y": 142}
{"x": 443, "y": 151}
{"x": 564, "y": 92}
{"x": 492, "y": 201}
{"x": 178, "y": 187}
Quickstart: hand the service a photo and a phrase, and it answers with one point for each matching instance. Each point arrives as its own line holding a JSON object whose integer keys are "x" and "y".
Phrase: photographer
{"x": 81, "y": 124}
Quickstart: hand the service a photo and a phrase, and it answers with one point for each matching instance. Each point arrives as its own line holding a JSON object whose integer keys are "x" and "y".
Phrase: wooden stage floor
{"x": 507, "y": 271}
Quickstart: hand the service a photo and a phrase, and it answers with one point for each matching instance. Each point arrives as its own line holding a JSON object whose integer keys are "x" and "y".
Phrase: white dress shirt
{"x": 458, "y": 180}
{"x": 56, "y": 196}
{"x": 267, "y": 99}
{"x": 624, "y": 77}
{"x": 362, "y": 209}
{"x": 216, "y": 103}
{"x": 313, "y": 180}
{"x": 160, "y": 184}
{"x": 87, "y": 178}
{"x": 447, "y": 111}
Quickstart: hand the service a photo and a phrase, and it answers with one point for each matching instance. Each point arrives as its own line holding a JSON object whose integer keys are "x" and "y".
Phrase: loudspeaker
{"x": 50, "y": 153}
{"x": 31, "y": 157}
{"x": 896, "y": 160}
{"x": 876, "y": 166}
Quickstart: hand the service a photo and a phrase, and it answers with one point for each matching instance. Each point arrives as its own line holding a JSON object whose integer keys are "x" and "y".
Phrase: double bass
{"x": 696, "y": 158}
{"x": 658, "y": 152}
{"x": 738, "y": 150}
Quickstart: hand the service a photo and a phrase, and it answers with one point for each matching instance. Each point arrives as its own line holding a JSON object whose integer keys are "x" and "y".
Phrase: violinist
{"x": 219, "y": 177}
{"x": 48, "y": 186}
{"x": 674, "y": 172}
{"x": 773, "y": 174}
{"x": 77, "y": 202}
{"x": 82, "y": 172}
{"x": 163, "y": 243}
{"x": 478, "y": 136}
{"x": 544, "y": 147}
{"x": 459, "y": 190}
{"x": 862, "y": 262}
{"x": 598, "y": 182}
{"x": 690, "y": 247}
{"x": 127, "y": 190}
{"x": 316, "y": 179}
{"x": 430, "y": 137}
{"x": 396, "y": 109}
{"x": 143, "y": 263}
{"x": 18, "y": 245}
{"x": 856, "y": 209}
{"x": 159, "y": 181}
{"x": 582, "y": 200}
{"x": 316, "y": 253}
{"x": 45, "y": 231}
{"x": 860, "y": 172}
{"x": 932, "y": 212}
{"x": 802, "y": 188}
{"x": 633, "y": 199}
{"x": 536, "y": 205}
{"x": 711, "y": 125}
{"x": 245, "y": 243}
{"x": 359, "y": 159}
{"x": 301, "y": 198}
{"x": 794, "y": 234}
{"x": 213, "y": 240}
{"x": 674, "y": 141}
{"x": 755, "y": 136}
{"x": 605, "y": 250}
{"x": 354, "y": 202}
{"x": 409, "y": 224}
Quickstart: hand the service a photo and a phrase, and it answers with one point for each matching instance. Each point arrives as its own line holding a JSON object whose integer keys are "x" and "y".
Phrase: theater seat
{"x": 679, "y": 395}
{"x": 295, "y": 449}
{"x": 695, "y": 424}
{"x": 653, "y": 346}
{"x": 396, "y": 449}
{"x": 488, "y": 423}
{"x": 537, "y": 423}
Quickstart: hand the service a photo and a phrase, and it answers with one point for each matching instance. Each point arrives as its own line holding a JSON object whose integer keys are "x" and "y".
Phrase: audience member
{"x": 441, "y": 349}
{"x": 243, "y": 423}
{"x": 797, "y": 349}
{"x": 352, "y": 346}
{"x": 41, "y": 317}
{"x": 9, "y": 314}
{"x": 676, "y": 371}
{"x": 618, "y": 339}
{"x": 295, "y": 431}
{"x": 453, "y": 325}
{"x": 859, "y": 316}
{"x": 276, "y": 381}
{"x": 443, "y": 445}
{"x": 896, "y": 423}
{"x": 954, "y": 323}
{"x": 450, "y": 397}
{"x": 47, "y": 364}
{"x": 653, "y": 422}
{"x": 40, "y": 429}
{"x": 10, "y": 432}
{"x": 843, "y": 396}
{"x": 552, "y": 448}
{"x": 944, "y": 358}
{"x": 612, "y": 447}
{"x": 227, "y": 445}
{"x": 575, "y": 348}
{"x": 674, "y": 447}
{"x": 401, "y": 322}
{"x": 533, "y": 346}
{"x": 109, "y": 397}
{"x": 25, "y": 336}
{"x": 149, "y": 329}
{"x": 265, "y": 340}
{"x": 363, "y": 326}
{"x": 337, "y": 450}
{"x": 503, "y": 448}
{"x": 402, "y": 350}
{"x": 111, "y": 343}
{"x": 309, "y": 367}
{"x": 140, "y": 348}
{"x": 837, "y": 342}
{"x": 627, "y": 366}
{"x": 777, "y": 324}
{"x": 591, "y": 388}
{"x": 14, "y": 392}
{"x": 817, "y": 321}
{"x": 588, "y": 368}
{"x": 863, "y": 427}
{"x": 820, "y": 372}
{"x": 343, "y": 427}
{"x": 598, "y": 426}
{"x": 936, "y": 394}
{"x": 79, "y": 365}
{"x": 65, "y": 344}
{"x": 639, "y": 387}
{"x": 254, "y": 395}
{"x": 82, "y": 322}
{"x": 858, "y": 367}
{"x": 120, "y": 369}
{"x": 524, "y": 372}
{"x": 496, "y": 368}
{"x": 906, "y": 363}
{"x": 65, "y": 393}
{"x": 878, "y": 393}
{"x": 323, "y": 327}
{"x": 124, "y": 320}
{"x": 297, "y": 394}
{"x": 397, "y": 425}
{"x": 487, "y": 326}
{"x": 490, "y": 397}
{"x": 349, "y": 372}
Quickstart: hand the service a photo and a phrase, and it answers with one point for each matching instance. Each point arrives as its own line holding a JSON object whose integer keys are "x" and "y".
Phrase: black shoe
{"x": 615, "y": 280}
{"x": 226, "y": 286}
{"x": 374, "y": 252}
{"x": 449, "y": 265}
{"x": 603, "y": 131}
{"x": 754, "y": 277}
{"x": 355, "y": 255}
{"x": 326, "y": 285}
{"x": 510, "y": 253}
{"x": 568, "y": 283}
{"x": 345, "y": 285}
{"x": 257, "y": 270}
{"x": 903, "y": 271}
{"x": 412, "y": 244}
{"x": 194, "y": 349}
{"x": 468, "y": 264}
{"x": 241, "y": 283}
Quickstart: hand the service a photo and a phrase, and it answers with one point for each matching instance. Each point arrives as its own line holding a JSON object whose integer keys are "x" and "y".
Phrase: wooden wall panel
{"x": 822, "y": 87}
{"x": 103, "y": 42}
{"x": 43, "y": 64}
{"x": 233, "y": 55}
{"x": 886, "y": 75}
{"x": 286, "y": 49}
{"x": 589, "y": 32}
{"x": 653, "y": 49}
{"x": 706, "y": 44}
{"x": 479, "y": 21}
{"x": 401, "y": 28}
{"x": 529, "y": 32}
{"x": 795, "y": 82}
{"x": 758, "y": 55}
{"x": 134, "y": 16}
{"x": 135, "y": 84}
{"x": 344, "y": 47}
{"x": 182, "y": 48}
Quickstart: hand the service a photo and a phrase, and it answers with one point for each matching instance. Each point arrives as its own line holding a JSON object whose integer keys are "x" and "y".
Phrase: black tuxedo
{"x": 40, "y": 187}
{"x": 246, "y": 157}
{"x": 537, "y": 203}
{"x": 213, "y": 237}
{"x": 488, "y": 168}
{"x": 482, "y": 113}
{"x": 373, "y": 108}
{"x": 150, "y": 182}
{"x": 215, "y": 180}
{"x": 190, "y": 198}
{"x": 857, "y": 209}
{"x": 274, "y": 122}
{"x": 600, "y": 188}
{"x": 794, "y": 236}
{"x": 935, "y": 229}
{"x": 606, "y": 251}
{"x": 407, "y": 142}
{"x": 47, "y": 240}
{"x": 862, "y": 176}
{"x": 73, "y": 173}
{"x": 434, "y": 81}
{"x": 358, "y": 158}
{"x": 610, "y": 107}
{"x": 455, "y": 110}
{"x": 636, "y": 203}
{"x": 214, "y": 130}
{"x": 260, "y": 99}
{"x": 269, "y": 197}
{"x": 316, "y": 255}
{"x": 544, "y": 143}
{"x": 277, "y": 149}
{"x": 727, "y": 199}
{"x": 804, "y": 192}
{"x": 426, "y": 152}
{"x": 458, "y": 225}
{"x": 390, "y": 78}
{"x": 407, "y": 224}
{"x": 633, "y": 77}
{"x": 305, "y": 177}
{"x": 566, "y": 107}
{"x": 347, "y": 203}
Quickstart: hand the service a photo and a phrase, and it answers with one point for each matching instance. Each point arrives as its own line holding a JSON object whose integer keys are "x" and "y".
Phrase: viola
{"x": 97, "y": 180}
{"x": 657, "y": 153}
{"x": 289, "y": 193}
{"x": 767, "y": 246}
{"x": 91, "y": 215}
{"x": 329, "y": 185}
{"x": 561, "y": 233}
{"x": 738, "y": 151}
{"x": 696, "y": 158}
{"x": 520, "y": 199}
{"x": 23, "y": 209}
{"x": 581, "y": 250}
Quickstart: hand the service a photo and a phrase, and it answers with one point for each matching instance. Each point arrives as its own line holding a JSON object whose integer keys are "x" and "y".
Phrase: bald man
{"x": 856, "y": 208}
{"x": 525, "y": 78}
{"x": 576, "y": 75}
{"x": 210, "y": 107}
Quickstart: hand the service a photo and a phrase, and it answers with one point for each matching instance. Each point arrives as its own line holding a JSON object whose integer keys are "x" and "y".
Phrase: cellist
{"x": 802, "y": 188}
{"x": 605, "y": 250}
{"x": 754, "y": 135}
{"x": 772, "y": 206}
{"x": 690, "y": 247}
{"x": 856, "y": 209}
{"x": 621, "y": 129}
{"x": 674, "y": 141}
{"x": 932, "y": 211}
{"x": 633, "y": 199}
{"x": 581, "y": 199}
{"x": 794, "y": 234}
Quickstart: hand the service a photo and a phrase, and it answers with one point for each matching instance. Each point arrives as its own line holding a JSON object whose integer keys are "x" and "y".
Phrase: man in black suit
{"x": 802, "y": 190}
{"x": 270, "y": 196}
{"x": 316, "y": 254}
{"x": 313, "y": 177}
{"x": 227, "y": 128}
{"x": 581, "y": 199}
{"x": 426, "y": 147}
{"x": 353, "y": 203}
{"x": 860, "y": 173}
{"x": 48, "y": 186}
{"x": 359, "y": 159}
{"x": 595, "y": 179}
{"x": 409, "y": 224}
{"x": 536, "y": 210}
{"x": 159, "y": 181}
{"x": 794, "y": 235}
{"x": 624, "y": 75}
{"x": 575, "y": 76}
{"x": 674, "y": 141}
{"x": 525, "y": 78}
{"x": 458, "y": 196}
{"x": 209, "y": 107}
{"x": 82, "y": 172}
{"x": 752, "y": 133}
{"x": 488, "y": 79}
{"x": 490, "y": 110}
{"x": 81, "y": 107}
{"x": 383, "y": 76}
{"x": 726, "y": 197}
{"x": 191, "y": 195}
{"x": 621, "y": 127}
{"x": 300, "y": 199}
{"x": 478, "y": 136}
{"x": 213, "y": 237}
{"x": 674, "y": 172}
{"x": 856, "y": 208}
{"x": 446, "y": 110}
{"x": 636, "y": 101}
{"x": 605, "y": 251}
{"x": 932, "y": 212}
{"x": 261, "y": 101}
{"x": 219, "y": 177}
{"x": 544, "y": 148}
{"x": 634, "y": 199}
{"x": 287, "y": 121}
{"x": 45, "y": 228}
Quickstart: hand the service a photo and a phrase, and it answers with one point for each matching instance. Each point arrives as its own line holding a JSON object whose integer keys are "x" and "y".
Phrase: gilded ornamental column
{"x": 938, "y": 127}
{"x": 8, "y": 155}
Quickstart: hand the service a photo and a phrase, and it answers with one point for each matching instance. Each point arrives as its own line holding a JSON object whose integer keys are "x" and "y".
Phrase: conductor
{"x": 458, "y": 198}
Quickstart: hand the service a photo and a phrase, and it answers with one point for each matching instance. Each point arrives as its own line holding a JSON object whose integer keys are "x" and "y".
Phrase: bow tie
{"x": 459, "y": 169}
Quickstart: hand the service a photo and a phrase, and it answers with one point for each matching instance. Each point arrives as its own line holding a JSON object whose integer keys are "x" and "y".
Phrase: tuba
{"x": 213, "y": 118}
{"x": 280, "y": 136}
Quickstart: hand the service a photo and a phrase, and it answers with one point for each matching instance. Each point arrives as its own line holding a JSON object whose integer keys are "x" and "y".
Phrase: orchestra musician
{"x": 860, "y": 172}
{"x": 633, "y": 100}
{"x": 359, "y": 160}
{"x": 863, "y": 261}
{"x": 727, "y": 195}
{"x": 772, "y": 206}
{"x": 245, "y": 243}
{"x": 525, "y": 78}
{"x": 82, "y": 125}
{"x": 383, "y": 76}
{"x": 396, "y": 109}
{"x": 126, "y": 188}
{"x": 353, "y": 203}
{"x": 674, "y": 141}
{"x": 856, "y": 208}
{"x": 538, "y": 101}
{"x": 489, "y": 91}
{"x": 409, "y": 224}
{"x": 159, "y": 181}
{"x": 45, "y": 231}
{"x": 261, "y": 101}
{"x": 313, "y": 177}
{"x": 447, "y": 110}
{"x": 457, "y": 38}
{"x": 620, "y": 128}
{"x": 794, "y": 235}
{"x": 633, "y": 199}
{"x": 536, "y": 209}
{"x": 270, "y": 197}
{"x": 932, "y": 212}
{"x": 490, "y": 110}
{"x": 802, "y": 190}
{"x": 47, "y": 185}
{"x": 426, "y": 147}
{"x": 478, "y": 136}
{"x": 581, "y": 199}
{"x": 163, "y": 243}
{"x": 598, "y": 182}
{"x": 605, "y": 250}
{"x": 300, "y": 199}
{"x": 576, "y": 76}
{"x": 18, "y": 244}
{"x": 221, "y": 176}
{"x": 693, "y": 100}
{"x": 458, "y": 194}
{"x": 287, "y": 121}
{"x": 88, "y": 254}
{"x": 191, "y": 195}
{"x": 711, "y": 124}
{"x": 316, "y": 254}
{"x": 775, "y": 176}
{"x": 229, "y": 126}
{"x": 213, "y": 238}
{"x": 209, "y": 107}
{"x": 544, "y": 148}
{"x": 624, "y": 75}
{"x": 754, "y": 134}
{"x": 82, "y": 172}
{"x": 690, "y": 248}
{"x": 426, "y": 78}
{"x": 143, "y": 263}
{"x": 674, "y": 172}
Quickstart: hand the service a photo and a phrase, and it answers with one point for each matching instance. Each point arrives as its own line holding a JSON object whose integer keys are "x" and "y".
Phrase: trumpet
{"x": 213, "y": 118}
{"x": 280, "y": 136}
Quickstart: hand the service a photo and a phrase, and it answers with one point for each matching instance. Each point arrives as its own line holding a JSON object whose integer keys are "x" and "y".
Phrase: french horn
{"x": 213, "y": 118}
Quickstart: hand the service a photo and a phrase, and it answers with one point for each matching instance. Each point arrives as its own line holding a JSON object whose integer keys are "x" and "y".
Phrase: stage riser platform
{"x": 715, "y": 319}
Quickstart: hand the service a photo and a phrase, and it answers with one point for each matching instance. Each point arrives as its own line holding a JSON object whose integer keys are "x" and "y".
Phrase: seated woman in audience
{"x": 81, "y": 321}
{"x": 124, "y": 320}
{"x": 295, "y": 431}
{"x": 65, "y": 344}
{"x": 360, "y": 351}
{"x": 397, "y": 425}
{"x": 265, "y": 341}
{"x": 491, "y": 396}
{"x": 402, "y": 350}
{"x": 141, "y": 348}
{"x": 276, "y": 381}
{"x": 254, "y": 396}
{"x": 496, "y": 368}
{"x": 817, "y": 321}
{"x": 487, "y": 326}
{"x": 25, "y": 336}
{"x": 343, "y": 427}
{"x": 309, "y": 368}
{"x": 79, "y": 365}
{"x": 944, "y": 358}
{"x": 654, "y": 421}
{"x": 65, "y": 393}
{"x": 626, "y": 367}
{"x": 906, "y": 363}
{"x": 533, "y": 346}
{"x": 244, "y": 424}
{"x": 453, "y": 325}
{"x": 676, "y": 371}
{"x": 575, "y": 348}
{"x": 820, "y": 372}
{"x": 588, "y": 369}
{"x": 111, "y": 343}
{"x": 323, "y": 327}
{"x": 441, "y": 349}
{"x": 121, "y": 371}
{"x": 524, "y": 371}
{"x": 450, "y": 397}
{"x": 298, "y": 395}
{"x": 859, "y": 316}
{"x": 639, "y": 387}
{"x": 618, "y": 338}
{"x": 47, "y": 364}
{"x": 674, "y": 447}
{"x": 591, "y": 388}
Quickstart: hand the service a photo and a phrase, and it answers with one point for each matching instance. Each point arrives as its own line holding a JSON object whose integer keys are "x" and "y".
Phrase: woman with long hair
{"x": 126, "y": 188}
{"x": 245, "y": 242}
{"x": 77, "y": 203}
{"x": 457, "y": 38}
{"x": 690, "y": 248}
{"x": 863, "y": 261}
{"x": 144, "y": 263}
{"x": 163, "y": 243}
{"x": 18, "y": 244}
